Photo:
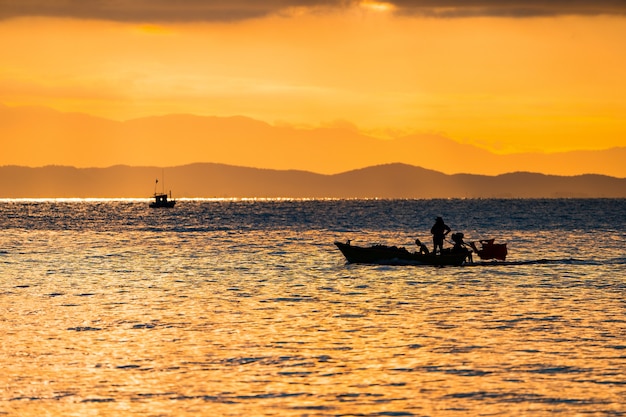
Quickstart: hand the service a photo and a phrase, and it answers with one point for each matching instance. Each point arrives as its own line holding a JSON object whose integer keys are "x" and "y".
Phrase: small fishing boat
{"x": 393, "y": 255}
{"x": 161, "y": 201}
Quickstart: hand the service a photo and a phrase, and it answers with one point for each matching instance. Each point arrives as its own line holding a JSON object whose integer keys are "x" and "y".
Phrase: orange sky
{"x": 542, "y": 78}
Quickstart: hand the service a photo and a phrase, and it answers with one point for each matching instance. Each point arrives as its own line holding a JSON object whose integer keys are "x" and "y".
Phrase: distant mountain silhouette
{"x": 223, "y": 181}
{"x": 37, "y": 136}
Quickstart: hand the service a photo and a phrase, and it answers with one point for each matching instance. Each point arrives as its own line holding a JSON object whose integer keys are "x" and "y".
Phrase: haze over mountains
{"x": 225, "y": 181}
{"x": 37, "y": 136}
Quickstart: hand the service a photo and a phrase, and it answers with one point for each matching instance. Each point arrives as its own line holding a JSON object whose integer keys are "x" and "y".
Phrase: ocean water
{"x": 246, "y": 308}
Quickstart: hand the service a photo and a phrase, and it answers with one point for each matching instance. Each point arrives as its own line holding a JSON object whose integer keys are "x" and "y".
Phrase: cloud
{"x": 157, "y": 10}
{"x": 509, "y": 8}
{"x": 232, "y": 10}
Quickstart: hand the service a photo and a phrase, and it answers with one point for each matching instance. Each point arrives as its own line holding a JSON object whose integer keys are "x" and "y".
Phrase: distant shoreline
{"x": 39, "y": 136}
{"x": 220, "y": 181}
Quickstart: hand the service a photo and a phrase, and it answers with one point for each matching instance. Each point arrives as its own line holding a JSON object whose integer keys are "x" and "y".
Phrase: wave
{"x": 564, "y": 261}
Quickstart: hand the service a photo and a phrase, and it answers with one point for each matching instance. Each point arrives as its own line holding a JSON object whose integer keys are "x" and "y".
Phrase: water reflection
{"x": 173, "y": 320}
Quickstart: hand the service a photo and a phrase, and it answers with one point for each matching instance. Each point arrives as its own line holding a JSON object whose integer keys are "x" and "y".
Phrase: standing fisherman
{"x": 439, "y": 232}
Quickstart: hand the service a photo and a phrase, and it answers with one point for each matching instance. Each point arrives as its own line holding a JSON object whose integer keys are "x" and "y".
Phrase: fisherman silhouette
{"x": 460, "y": 246}
{"x": 439, "y": 232}
{"x": 423, "y": 249}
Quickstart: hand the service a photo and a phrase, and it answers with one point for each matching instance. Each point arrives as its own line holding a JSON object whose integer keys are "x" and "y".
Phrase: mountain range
{"x": 39, "y": 136}
{"x": 226, "y": 181}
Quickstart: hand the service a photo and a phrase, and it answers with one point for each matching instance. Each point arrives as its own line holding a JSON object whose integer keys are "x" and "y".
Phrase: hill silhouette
{"x": 37, "y": 136}
{"x": 226, "y": 181}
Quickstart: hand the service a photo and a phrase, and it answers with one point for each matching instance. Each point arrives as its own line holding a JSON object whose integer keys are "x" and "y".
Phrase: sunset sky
{"x": 508, "y": 76}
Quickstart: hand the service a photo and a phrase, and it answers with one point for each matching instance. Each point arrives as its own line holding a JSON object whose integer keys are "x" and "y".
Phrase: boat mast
{"x": 163, "y": 178}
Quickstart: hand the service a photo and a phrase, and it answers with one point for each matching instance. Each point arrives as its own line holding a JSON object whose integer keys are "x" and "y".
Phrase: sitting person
{"x": 460, "y": 245}
{"x": 423, "y": 249}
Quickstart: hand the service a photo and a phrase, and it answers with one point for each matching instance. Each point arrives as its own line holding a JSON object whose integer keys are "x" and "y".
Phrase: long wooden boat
{"x": 392, "y": 255}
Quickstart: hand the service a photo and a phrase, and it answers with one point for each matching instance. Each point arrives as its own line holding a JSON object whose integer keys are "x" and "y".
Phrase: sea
{"x": 244, "y": 307}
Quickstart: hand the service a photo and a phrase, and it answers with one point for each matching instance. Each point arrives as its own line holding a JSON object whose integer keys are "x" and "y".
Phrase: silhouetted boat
{"x": 490, "y": 250}
{"x": 392, "y": 255}
{"x": 161, "y": 201}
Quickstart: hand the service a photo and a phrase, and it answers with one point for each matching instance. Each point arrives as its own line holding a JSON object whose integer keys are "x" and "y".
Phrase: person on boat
{"x": 439, "y": 232}
{"x": 460, "y": 246}
{"x": 423, "y": 249}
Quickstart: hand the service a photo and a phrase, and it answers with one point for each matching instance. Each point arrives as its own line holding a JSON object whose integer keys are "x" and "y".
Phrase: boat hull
{"x": 391, "y": 255}
{"x": 167, "y": 204}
